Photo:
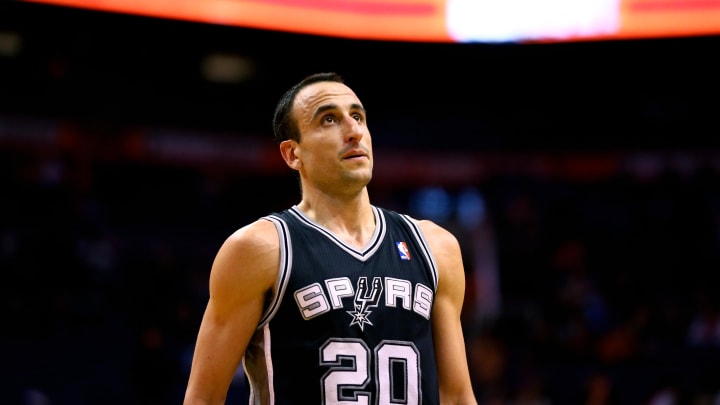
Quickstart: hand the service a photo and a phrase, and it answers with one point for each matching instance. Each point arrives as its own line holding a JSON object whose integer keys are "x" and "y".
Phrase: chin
{"x": 359, "y": 176}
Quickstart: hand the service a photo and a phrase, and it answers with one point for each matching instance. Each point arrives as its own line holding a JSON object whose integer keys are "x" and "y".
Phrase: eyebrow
{"x": 320, "y": 110}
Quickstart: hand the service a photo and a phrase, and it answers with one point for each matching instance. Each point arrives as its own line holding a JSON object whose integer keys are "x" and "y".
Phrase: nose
{"x": 354, "y": 130}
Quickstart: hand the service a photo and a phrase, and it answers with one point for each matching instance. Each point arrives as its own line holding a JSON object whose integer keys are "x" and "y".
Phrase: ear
{"x": 288, "y": 150}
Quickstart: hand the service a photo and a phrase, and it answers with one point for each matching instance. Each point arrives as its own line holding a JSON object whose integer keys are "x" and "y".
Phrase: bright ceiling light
{"x": 227, "y": 68}
{"x": 10, "y": 43}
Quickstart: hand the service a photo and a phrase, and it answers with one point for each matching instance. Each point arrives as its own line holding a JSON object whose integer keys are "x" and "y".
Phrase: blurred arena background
{"x": 582, "y": 178}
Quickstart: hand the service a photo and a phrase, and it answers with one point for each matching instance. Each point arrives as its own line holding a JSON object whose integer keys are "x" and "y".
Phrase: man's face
{"x": 335, "y": 149}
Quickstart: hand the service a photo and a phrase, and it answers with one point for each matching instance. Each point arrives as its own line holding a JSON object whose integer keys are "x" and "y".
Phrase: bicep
{"x": 241, "y": 276}
{"x": 453, "y": 373}
{"x": 447, "y": 328}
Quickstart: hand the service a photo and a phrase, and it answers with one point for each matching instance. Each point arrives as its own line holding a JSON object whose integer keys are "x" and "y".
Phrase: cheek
{"x": 319, "y": 159}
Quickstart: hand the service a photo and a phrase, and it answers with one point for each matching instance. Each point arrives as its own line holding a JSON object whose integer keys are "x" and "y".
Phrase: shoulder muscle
{"x": 246, "y": 264}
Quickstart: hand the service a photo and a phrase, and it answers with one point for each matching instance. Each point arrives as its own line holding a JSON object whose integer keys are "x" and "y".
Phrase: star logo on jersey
{"x": 403, "y": 250}
{"x": 366, "y": 297}
{"x": 360, "y": 318}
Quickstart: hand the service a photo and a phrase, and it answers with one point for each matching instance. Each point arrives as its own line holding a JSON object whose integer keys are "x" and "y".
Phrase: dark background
{"x": 119, "y": 68}
{"x": 122, "y": 170}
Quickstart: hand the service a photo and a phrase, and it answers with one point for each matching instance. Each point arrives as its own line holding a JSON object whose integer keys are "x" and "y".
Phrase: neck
{"x": 351, "y": 220}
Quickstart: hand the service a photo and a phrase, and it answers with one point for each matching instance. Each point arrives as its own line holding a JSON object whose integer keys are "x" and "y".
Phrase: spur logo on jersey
{"x": 365, "y": 297}
{"x": 379, "y": 293}
{"x": 403, "y": 250}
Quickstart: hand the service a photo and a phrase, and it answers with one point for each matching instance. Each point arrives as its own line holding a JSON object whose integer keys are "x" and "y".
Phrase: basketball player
{"x": 334, "y": 300}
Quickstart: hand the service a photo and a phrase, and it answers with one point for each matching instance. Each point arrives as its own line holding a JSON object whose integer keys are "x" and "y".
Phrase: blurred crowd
{"x": 580, "y": 291}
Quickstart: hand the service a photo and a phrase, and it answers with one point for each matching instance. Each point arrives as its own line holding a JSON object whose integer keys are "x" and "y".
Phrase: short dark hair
{"x": 284, "y": 127}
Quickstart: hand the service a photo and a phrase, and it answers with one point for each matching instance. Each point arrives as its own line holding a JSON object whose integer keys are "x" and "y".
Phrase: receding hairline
{"x": 284, "y": 120}
{"x": 327, "y": 106}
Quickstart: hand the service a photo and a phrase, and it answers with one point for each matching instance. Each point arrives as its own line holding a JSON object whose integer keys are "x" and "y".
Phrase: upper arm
{"x": 453, "y": 373}
{"x": 242, "y": 274}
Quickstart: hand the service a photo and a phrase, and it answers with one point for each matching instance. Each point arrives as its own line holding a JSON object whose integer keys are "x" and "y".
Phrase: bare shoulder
{"x": 439, "y": 238}
{"x": 251, "y": 253}
{"x": 255, "y": 238}
{"x": 445, "y": 248}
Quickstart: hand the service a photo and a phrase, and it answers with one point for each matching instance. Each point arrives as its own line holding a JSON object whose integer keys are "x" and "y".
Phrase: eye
{"x": 328, "y": 119}
{"x": 358, "y": 117}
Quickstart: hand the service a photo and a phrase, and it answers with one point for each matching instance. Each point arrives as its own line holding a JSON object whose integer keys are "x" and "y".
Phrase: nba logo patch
{"x": 403, "y": 250}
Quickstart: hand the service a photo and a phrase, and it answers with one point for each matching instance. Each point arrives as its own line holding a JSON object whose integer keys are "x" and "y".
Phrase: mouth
{"x": 354, "y": 154}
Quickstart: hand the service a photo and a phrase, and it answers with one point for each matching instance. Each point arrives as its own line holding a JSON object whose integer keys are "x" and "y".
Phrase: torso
{"x": 347, "y": 325}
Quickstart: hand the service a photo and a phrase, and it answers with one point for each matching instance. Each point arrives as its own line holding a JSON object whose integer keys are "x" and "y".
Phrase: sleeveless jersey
{"x": 347, "y": 326}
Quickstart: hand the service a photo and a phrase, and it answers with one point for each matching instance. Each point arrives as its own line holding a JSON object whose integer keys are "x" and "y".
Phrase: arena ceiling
{"x": 122, "y": 70}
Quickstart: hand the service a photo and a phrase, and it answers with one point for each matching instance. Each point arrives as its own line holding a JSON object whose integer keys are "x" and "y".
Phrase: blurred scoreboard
{"x": 440, "y": 20}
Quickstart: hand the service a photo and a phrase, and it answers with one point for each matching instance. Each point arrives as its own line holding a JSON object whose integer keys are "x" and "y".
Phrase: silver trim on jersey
{"x": 284, "y": 269}
{"x": 370, "y": 248}
{"x": 426, "y": 252}
{"x": 268, "y": 362}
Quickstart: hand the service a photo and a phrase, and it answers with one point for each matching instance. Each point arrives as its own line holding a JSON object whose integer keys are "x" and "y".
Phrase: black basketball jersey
{"x": 347, "y": 326}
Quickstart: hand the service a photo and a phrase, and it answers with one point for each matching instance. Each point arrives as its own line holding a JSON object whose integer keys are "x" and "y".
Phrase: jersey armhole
{"x": 283, "y": 271}
{"x": 426, "y": 251}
